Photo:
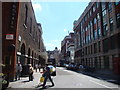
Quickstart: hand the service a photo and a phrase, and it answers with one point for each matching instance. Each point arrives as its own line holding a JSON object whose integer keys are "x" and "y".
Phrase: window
{"x": 103, "y": 6}
{"x": 90, "y": 12}
{"x": 95, "y": 34}
{"x": 88, "y": 15}
{"x": 97, "y": 4}
{"x": 98, "y": 17}
{"x": 105, "y": 27}
{"x": 118, "y": 20}
{"x": 26, "y": 14}
{"x": 31, "y": 25}
{"x": 99, "y": 32}
{"x": 109, "y": 6}
{"x": 104, "y": 13}
{"x": 93, "y": 8}
{"x": 91, "y": 49}
{"x": 111, "y": 24}
{"x": 34, "y": 33}
{"x": 118, "y": 2}
{"x": 99, "y": 46}
{"x": 86, "y": 18}
{"x": 95, "y": 47}
{"x": 85, "y": 50}
{"x": 105, "y": 45}
{"x": 95, "y": 20}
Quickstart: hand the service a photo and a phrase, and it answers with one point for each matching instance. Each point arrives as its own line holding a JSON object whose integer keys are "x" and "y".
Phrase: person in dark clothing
{"x": 30, "y": 72}
{"x": 46, "y": 75}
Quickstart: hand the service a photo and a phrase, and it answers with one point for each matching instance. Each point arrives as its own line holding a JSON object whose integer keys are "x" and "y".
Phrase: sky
{"x": 57, "y": 20}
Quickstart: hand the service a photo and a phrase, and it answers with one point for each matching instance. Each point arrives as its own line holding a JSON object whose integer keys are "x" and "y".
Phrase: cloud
{"x": 65, "y": 30}
{"x": 37, "y": 7}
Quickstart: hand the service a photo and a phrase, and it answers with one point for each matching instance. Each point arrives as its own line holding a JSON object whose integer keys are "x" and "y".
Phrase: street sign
{"x": 9, "y": 36}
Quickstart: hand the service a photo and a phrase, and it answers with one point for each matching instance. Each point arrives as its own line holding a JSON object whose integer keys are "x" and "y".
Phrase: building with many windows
{"x": 21, "y": 37}
{"x": 53, "y": 56}
{"x": 67, "y": 49}
{"x": 97, "y": 36}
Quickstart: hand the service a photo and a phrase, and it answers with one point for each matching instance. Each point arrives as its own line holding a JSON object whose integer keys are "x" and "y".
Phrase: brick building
{"x": 21, "y": 36}
{"x": 97, "y": 36}
{"x": 67, "y": 47}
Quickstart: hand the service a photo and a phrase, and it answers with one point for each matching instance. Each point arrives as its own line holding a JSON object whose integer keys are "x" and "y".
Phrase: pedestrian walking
{"x": 30, "y": 72}
{"x": 36, "y": 67}
{"x": 18, "y": 71}
{"x": 46, "y": 75}
{"x": 39, "y": 67}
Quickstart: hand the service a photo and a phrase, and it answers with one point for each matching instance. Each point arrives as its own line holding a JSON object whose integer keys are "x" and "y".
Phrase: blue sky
{"x": 57, "y": 20}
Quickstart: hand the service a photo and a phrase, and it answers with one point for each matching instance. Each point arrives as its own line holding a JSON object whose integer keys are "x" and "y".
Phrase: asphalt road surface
{"x": 65, "y": 79}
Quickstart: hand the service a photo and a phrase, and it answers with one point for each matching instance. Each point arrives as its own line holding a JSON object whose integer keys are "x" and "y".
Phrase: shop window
{"x": 99, "y": 46}
{"x": 106, "y": 62}
{"x": 91, "y": 49}
{"x": 105, "y": 45}
{"x": 99, "y": 62}
{"x": 7, "y": 60}
{"x": 95, "y": 47}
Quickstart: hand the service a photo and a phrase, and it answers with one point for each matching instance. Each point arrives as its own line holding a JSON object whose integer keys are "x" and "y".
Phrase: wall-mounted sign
{"x": 9, "y": 36}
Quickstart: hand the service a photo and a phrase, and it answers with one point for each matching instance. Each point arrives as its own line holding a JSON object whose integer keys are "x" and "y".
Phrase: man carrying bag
{"x": 46, "y": 75}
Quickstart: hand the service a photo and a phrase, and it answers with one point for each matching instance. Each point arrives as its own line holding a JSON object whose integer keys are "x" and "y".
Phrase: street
{"x": 65, "y": 79}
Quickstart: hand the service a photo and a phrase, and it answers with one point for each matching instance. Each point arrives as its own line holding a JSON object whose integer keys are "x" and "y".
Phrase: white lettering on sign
{"x": 9, "y": 36}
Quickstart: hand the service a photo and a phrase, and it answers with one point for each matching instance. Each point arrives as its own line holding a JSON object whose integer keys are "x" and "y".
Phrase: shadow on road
{"x": 39, "y": 87}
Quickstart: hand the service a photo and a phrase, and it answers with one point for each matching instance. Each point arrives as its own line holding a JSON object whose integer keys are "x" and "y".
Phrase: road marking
{"x": 100, "y": 84}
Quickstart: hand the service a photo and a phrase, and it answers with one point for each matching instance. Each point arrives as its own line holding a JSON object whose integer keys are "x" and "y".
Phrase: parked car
{"x": 81, "y": 68}
{"x": 52, "y": 69}
{"x": 76, "y": 67}
{"x": 71, "y": 67}
{"x": 66, "y": 65}
{"x": 86, "y": 68}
